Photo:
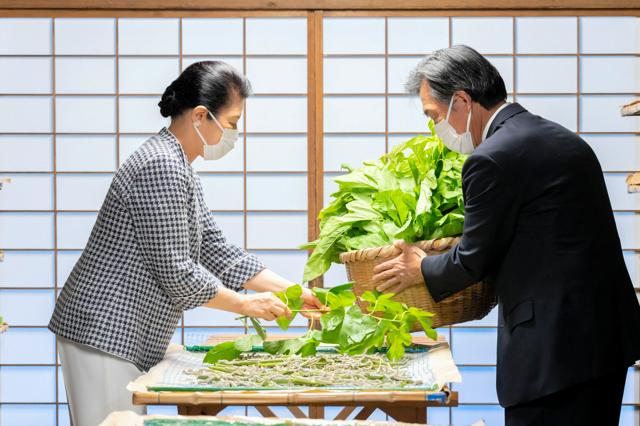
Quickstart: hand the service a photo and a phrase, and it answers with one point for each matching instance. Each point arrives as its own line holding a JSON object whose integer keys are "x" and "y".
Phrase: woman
{"x": 155, "y": 251}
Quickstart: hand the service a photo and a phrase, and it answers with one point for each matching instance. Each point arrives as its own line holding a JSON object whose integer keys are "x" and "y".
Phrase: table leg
{"x": 200, "y": 410}
{"x": 407, "y": 414}
{"x": 316, "y": 412}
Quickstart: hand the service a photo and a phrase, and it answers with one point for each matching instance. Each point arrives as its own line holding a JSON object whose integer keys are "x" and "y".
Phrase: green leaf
{"x": 225, "y": 350}
{"x": 259, "y": 329}
{"x": 246, "y": 343}
{"x": 398, "y": 338}
{"x": 292, "y": 298}
{"x": 304, "y": 346}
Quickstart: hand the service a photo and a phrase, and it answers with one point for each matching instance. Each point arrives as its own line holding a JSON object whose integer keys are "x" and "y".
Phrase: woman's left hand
{"x": 311, "y": 303}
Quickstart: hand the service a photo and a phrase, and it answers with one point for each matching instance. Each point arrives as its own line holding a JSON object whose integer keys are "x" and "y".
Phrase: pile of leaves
{"x": 384, "y": 326}
{"x": 412, "y": 193}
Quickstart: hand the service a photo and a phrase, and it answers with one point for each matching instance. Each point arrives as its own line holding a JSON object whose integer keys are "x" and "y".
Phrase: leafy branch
{"x": 385, "y": 324}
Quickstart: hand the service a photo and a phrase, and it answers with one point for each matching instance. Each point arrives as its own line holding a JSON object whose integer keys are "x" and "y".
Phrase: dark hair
{"x": 459, "y": 68}
{"x": 207, "y": 83}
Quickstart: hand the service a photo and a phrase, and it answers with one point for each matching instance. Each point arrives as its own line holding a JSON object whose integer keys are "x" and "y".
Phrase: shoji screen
{"x": 573, "y": 70}
{"x": 77, "y": 97}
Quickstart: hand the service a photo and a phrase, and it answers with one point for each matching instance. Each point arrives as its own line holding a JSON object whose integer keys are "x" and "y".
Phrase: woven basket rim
{"x": 438, "y": 244}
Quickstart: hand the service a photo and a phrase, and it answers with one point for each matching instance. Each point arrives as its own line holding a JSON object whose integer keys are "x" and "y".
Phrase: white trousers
{"x": 96, "y": 383}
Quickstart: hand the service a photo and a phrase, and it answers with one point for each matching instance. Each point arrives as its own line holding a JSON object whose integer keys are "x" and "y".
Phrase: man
{"x": 539, "y": 227}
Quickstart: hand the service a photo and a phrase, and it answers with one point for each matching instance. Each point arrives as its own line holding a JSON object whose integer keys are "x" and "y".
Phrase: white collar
{"x": 493, "y": 117}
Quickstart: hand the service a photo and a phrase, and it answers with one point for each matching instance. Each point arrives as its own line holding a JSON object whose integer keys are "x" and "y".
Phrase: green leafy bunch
{"x": 384, "y": 325}
{"x": 412, "y": 193}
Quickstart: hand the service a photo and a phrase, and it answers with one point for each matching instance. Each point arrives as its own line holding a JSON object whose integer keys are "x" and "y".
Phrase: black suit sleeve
{"x": 490, "y": 216}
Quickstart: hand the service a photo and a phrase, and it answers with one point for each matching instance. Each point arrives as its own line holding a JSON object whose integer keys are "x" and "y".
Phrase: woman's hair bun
{"x": 169, "y": 102}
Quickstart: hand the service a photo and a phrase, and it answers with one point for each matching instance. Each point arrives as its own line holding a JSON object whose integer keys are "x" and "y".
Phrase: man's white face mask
{"x": 450, "y": 138}
{"x": 227, "y": 141}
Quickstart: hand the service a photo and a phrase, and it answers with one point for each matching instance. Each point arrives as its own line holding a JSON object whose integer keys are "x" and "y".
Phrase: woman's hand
{"x": 264, "y": 305}
{"x": 311, "y": 303}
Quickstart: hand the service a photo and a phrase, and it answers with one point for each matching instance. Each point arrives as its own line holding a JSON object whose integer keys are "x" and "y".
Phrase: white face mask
{"x": 451, "y": 139}
{"x": 222, "y": 148}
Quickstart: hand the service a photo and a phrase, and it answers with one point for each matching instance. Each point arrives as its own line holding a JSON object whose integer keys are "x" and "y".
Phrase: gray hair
{"x": 458, "y": 68}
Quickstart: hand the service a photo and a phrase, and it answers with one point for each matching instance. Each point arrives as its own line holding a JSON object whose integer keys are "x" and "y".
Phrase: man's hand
{"x": 311, "y": 303}
{"x": 400, "y": 272}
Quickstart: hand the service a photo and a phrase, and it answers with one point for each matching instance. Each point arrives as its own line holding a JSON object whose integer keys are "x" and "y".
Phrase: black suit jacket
{"x": 539, "y": 226}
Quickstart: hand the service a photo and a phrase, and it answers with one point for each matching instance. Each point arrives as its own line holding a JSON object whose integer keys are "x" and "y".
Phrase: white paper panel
{"x": 398, "y": 72}
{"x": 16, "y": 385}
{"x": 549, "y": 34}
{"x": 354, "y": 75}
{"x": 74, "y": 229}
{"x": 145, "y": 36}
{"x": 28, "y": 414}
{"x": 560, "y": 109}
{"x": 277, "y": 114}
{"x": 352, "y": 150}
{"x": 616, "y": 152}
{"x": 76, "y": 153}
{"x": 25, "y": 75}
{"x": 66, "y": 261}
{"x": 478, "y": 384}
{"x": 417, "y": 35}
{"x": 266, "y": 192}
{"x": 232, "y": 226}
{"x": 504, "y": 65}
{"x": 289, "y": 264}
{"x": 628, "y": 229}
{"x": 84, "y": 114}
{"x": 85, "y": 36}
{"x": 276, "y": 35}
{"x": 25, "y": 36}
{"x": 485, "y": 34}
{"x": 223, "y": 192}
{"x": 277, "y": 75}
{"x": 27, "y": 307}
{"x": 354, "y": 114}
{"x": 609, "y": 34}
{"x": 85, "y": 75}
{"x": 610, "y": 74}
{"x": 26, "y": 230}
{"x": 632, "y": 260}
{"x": 209, "y": 317}
{"x": 27, "y": 192}
{"x": 353, "y": 35}
{"x": 27, "y": 346}
{"x": 276, "y": 153}
{"x": 147, "y": 75}
{"x": 27, "y": 269}
{"x": 617, "y": 189}
{"x": 406, "y": 115}
{"x": 602, "y": 114}
{"x": 474, "y": 346}
{"x": 141, "y": 114}
{"x": 82, "y": 192}
{"x": 233, "y": 161}
{"x": 14, "y": 120}
{"x": 13, "y": 148}
{"x": 336, "y": 275}
{"x": 203, "y": 36}
{"x": 276, "y": 230}
{"x": 547, "y": 74}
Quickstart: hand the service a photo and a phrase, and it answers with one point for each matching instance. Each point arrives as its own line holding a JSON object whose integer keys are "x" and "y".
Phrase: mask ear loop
{"x": 449, "y": 110}
{"x": 469, "y": 120}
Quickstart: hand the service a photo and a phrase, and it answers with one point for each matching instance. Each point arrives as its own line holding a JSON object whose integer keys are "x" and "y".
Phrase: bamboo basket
{"x": 472, "y": 303}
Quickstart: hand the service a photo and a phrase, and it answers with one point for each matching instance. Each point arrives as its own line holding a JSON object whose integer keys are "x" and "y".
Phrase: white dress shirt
{"x": 495, "y": 114}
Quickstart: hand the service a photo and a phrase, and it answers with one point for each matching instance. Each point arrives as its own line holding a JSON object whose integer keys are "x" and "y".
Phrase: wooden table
{"x": 403, "y": 406}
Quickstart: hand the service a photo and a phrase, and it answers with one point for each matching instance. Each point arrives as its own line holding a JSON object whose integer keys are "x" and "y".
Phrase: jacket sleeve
{"x": 489, "y": 222}
{"x": 158, "y": 202}
{"x": 231, "y": 264}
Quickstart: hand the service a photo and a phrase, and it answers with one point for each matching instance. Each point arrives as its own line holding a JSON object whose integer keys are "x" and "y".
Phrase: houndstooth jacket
{"x": 154, "y": 252}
